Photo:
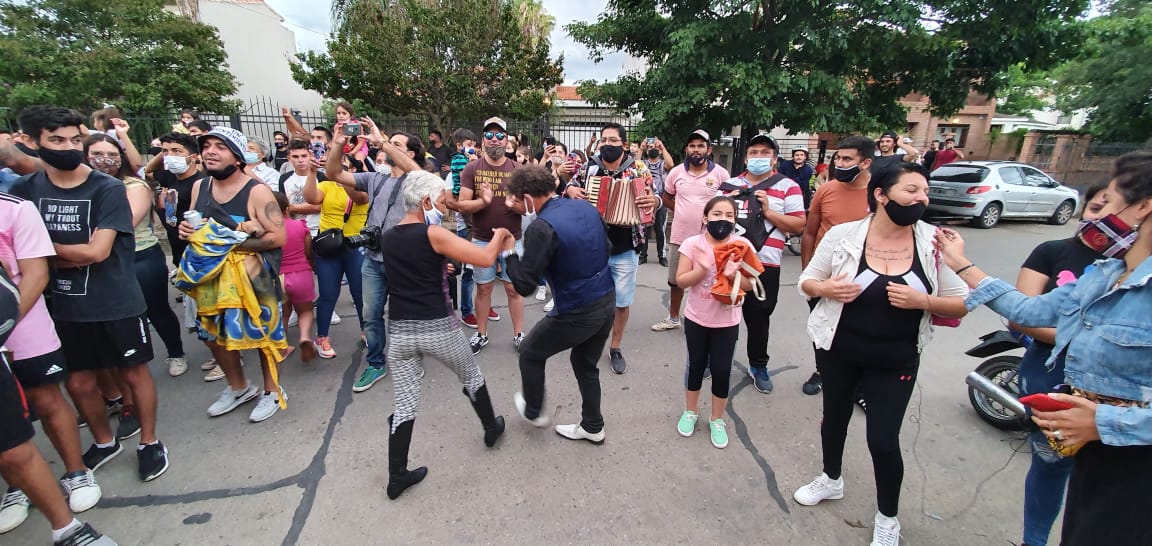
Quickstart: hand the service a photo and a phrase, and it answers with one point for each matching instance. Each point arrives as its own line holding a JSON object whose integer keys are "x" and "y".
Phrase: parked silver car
{"x": 987, "y": 191}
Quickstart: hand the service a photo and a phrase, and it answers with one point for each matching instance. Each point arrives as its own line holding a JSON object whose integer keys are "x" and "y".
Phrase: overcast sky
{"x": 311, "y": 21}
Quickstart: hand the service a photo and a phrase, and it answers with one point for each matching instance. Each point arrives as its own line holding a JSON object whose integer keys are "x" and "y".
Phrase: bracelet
{"x": 965, "y": 268}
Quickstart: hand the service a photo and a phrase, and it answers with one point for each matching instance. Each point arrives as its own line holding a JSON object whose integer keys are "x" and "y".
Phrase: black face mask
{"x": 64, "y": 160}
{"x": 510, "y": 155}
{"x": 222, "y": 174}
{"x": 280, "y": 145}
{"x": 904, "y": 215}
{"x": 26, "y": 150}
{"x": 846, "y": 175}
{"x": 697, "y": 160}
{"x": 155, "y": 150}
{"x": 720, "y": 229}
{"x": 653, "y": 153}
{"x": 611, "y": 154}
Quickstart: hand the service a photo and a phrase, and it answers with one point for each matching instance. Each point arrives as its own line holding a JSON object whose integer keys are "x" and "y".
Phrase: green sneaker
{"x": 687, "y": 424}
{"x": 719, "y": 433}
{"x": 369, "y": 377}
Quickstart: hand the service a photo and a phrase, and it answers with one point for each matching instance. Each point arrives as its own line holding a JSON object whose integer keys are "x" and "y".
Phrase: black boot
{"x": 399, "y": 477}
{"x": 493, "y": 424}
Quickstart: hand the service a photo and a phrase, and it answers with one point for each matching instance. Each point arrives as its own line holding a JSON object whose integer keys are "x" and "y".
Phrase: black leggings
{"x": 887, "y": 387}
{"x": 710, "y": 348}
{"x": 152, "y": 274}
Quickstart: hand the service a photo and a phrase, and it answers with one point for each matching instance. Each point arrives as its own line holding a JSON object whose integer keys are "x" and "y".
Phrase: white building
{"x": 258, "y": 46}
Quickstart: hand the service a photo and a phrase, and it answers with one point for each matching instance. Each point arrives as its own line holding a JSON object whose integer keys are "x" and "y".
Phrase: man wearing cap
{"x": 613, "y": 166}
{"x": 769, "y": 205}
{"x": 888, "y": 157}
{"x": 97, "y": 305}
{"x": 483, "y": 185}
{"x": 245, "y": 204}
{"x": 687, "y": 188}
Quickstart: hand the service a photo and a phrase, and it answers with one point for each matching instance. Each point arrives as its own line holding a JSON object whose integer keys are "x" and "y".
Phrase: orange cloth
{"x": 734, "y": 261}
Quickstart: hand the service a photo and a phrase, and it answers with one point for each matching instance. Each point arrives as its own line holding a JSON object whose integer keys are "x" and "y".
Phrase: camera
{"x": 650, "y": 140}
{"x": 369, "y": 238}
{"x": 353, "y": 128}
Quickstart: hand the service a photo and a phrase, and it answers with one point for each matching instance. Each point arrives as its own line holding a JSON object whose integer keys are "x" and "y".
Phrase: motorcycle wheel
{"x": 793, "y": 244}
{"x": 1004, "y": 371}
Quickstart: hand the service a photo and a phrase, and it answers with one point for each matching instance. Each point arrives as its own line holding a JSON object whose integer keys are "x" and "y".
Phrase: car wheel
{"x": 1063, "y": 214}
{"x": 988, "y": 217}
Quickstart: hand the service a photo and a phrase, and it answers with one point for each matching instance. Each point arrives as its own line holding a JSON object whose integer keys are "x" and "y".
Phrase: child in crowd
{"x": 711, "y": 327}
{"x": 297, "y": 277}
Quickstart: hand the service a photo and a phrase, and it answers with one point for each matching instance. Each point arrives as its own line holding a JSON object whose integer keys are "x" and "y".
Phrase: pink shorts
{"x": 299, "y": 287}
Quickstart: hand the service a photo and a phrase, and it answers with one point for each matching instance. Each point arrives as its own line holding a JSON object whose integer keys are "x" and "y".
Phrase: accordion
{"x": 615, "y": 199}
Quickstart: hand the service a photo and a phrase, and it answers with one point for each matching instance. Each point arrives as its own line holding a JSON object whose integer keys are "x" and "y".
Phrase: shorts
{"x": 673, "y": 262}
{"x": 486, "y": 275}
{"x": 37, "y": 371}
{"x": 299, "y": 287}
{"x": 121, "y": 343}
{"x": 623, "y": 266}
{"x": 15, "y": 426}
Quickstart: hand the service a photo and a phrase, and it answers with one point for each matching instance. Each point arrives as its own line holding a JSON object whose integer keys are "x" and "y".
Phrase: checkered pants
{"x": 408, "y": 342}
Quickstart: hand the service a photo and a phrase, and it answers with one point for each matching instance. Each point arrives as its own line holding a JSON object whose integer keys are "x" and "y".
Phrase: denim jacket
{"x": 1106, "y": 334}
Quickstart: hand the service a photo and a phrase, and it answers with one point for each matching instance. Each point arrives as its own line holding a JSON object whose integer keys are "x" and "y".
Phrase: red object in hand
{"x": 1043, "y": 402}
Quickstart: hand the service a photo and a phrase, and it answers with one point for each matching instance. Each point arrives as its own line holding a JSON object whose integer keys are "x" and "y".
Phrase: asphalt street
{"x": 315, "y": 473}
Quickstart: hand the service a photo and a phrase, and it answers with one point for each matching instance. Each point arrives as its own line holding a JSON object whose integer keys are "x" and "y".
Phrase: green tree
{"x": 1022, "y": 91}
{"x": 447, "y": 60}
{"x": 819, "y": 65}
{"x": 1112, "y": 75}
{"x": 132, "y": 53}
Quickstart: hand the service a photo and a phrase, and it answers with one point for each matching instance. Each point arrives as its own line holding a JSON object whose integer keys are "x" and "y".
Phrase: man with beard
{"x": 930, "y": 155}
{"x": 612, "y": 166}
{"x": 843, "y": 199}
{"x": 440, "y": 152}
{"x": 482, "y": 190}
{"x": 688, "y": 187}
{"x": 888, "y": 143}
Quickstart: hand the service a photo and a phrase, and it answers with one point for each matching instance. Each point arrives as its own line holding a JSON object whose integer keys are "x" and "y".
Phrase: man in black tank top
{"x": 235, "y": 200}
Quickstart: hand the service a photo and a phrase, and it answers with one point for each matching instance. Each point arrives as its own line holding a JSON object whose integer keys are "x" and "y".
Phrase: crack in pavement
{"x": 746, "y": 439}
{"x": 307, "y": 479}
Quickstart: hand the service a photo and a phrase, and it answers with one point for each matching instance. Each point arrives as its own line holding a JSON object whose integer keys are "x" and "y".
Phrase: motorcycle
{"x": 994, "y": 387}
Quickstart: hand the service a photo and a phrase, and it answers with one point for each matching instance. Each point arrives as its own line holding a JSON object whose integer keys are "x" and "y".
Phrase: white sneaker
{"x": 540, "y": 421}
{"x": 886, "y": 531}
{"x": 822, "y": 488}
{"x": 541, "y": 293}
{"x": 577, "y": 432}
{"x": 215, "y": 373}
{"x": 82, "y": 491}
{"x": 13, "y": 510}
{"x": 229, "y": 400}
{"x": 207, "y": 366}
{"x": 267, "y": 406}
{"x": 335, "y": 320}
{"x": 176, "y": 366}
{"x": 550, "y": 305}
{"x": 668, "y": 323}
{"x": 293, "y": 320}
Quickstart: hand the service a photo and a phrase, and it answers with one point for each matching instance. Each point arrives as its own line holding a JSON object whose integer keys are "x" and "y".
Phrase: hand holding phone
{"x": 1043, "y": 402}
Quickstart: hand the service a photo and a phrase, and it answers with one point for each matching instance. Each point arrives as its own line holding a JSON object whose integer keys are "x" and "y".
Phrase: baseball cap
{"x": 503, "y": 125}
{"x": 235, "y": 140}
{"x": 762, "y": 138}
{"x": 890, "y": 135}
{"x": 699, "y": 133}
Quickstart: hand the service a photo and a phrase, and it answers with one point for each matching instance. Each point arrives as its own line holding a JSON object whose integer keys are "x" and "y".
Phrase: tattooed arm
{"x": 263, "y": 210}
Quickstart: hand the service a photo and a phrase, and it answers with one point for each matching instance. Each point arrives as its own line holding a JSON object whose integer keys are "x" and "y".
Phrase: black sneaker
{"x": 129, "y": 423}
{"x": 153, "y": 460}
{"x": 643, "y": 259}
{"x": 813, "y": 385}
{"x": 664, "y": 262}
{"x": 860, "y": 399}
{"x": 112, "y": 407}
{"x": 477, "y": 342}
{"x": 96, "y": 456}
{"x": 84, "y": 535}
{"x": 619, "y": 365}
{"x": 760, "y": 379}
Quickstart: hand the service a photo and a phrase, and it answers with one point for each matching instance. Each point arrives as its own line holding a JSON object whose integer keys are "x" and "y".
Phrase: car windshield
{"x": 960, "y": 173}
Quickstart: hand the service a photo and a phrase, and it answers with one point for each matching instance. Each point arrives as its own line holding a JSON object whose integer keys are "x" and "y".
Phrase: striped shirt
{"x": 784, "y": 197}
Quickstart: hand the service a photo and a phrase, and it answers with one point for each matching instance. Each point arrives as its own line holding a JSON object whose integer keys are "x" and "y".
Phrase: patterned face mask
{"x": 1109, "y": 235}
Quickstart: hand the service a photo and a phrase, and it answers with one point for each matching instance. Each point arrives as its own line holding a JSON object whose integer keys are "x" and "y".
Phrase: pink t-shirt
{"x": 23, "y": 236}
{"x": 293, "y": 258}
{"x": 700, "y": 306}
{"x": 692, "y": 193}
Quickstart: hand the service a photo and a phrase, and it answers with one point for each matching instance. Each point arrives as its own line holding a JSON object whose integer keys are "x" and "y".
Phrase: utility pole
{"x": 189, "y": 9}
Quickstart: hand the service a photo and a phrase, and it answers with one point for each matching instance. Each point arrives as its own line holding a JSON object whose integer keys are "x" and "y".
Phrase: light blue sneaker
{"x": 369, "y": 377}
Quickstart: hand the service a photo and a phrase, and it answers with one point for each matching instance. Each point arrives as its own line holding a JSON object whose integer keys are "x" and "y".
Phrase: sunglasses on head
{"x": 495, "y": 136}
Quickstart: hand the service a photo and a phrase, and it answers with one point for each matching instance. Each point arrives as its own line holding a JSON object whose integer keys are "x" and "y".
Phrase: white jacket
{"x": 839, "y": 253}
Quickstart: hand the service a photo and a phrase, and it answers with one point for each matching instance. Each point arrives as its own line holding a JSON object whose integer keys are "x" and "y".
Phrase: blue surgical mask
{"x": 433, "y": 217}
{"x": 251, "y": 158}
{"x": 760, "y": 165}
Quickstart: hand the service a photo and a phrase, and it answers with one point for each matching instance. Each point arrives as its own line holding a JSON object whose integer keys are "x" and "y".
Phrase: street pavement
{"x": 315, "y": 474}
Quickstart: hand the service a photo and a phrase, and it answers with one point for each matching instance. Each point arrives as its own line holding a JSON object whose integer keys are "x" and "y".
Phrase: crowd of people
{"x": 263, "y": 238}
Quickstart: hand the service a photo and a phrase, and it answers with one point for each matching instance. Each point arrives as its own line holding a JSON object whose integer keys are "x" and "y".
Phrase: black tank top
{"x": 232, "y": 213}
{"x": 417, "y": 275}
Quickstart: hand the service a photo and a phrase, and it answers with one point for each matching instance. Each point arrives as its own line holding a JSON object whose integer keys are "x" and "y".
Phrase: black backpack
{"x": 749, "y": 213}
{"x": 9, "y": 305}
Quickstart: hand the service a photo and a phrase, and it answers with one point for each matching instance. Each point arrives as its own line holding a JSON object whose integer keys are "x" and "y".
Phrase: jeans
{"x": 329, "y": 272}
{"x": 758, "y": 315}
{"x": 585, "y": 331}
{"x": 1048, "y": 476}
{"x": 152, "y": 275}
{"x": 623, "y": 266}
{"x": 466, "y": 283}
{"x": 375, "y": 298}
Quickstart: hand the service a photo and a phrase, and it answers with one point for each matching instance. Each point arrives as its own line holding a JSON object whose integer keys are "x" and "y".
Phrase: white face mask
{"x": 433, "y": 217}
{"x": 529, "y": 216}
{"x": 175, "y": 164}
